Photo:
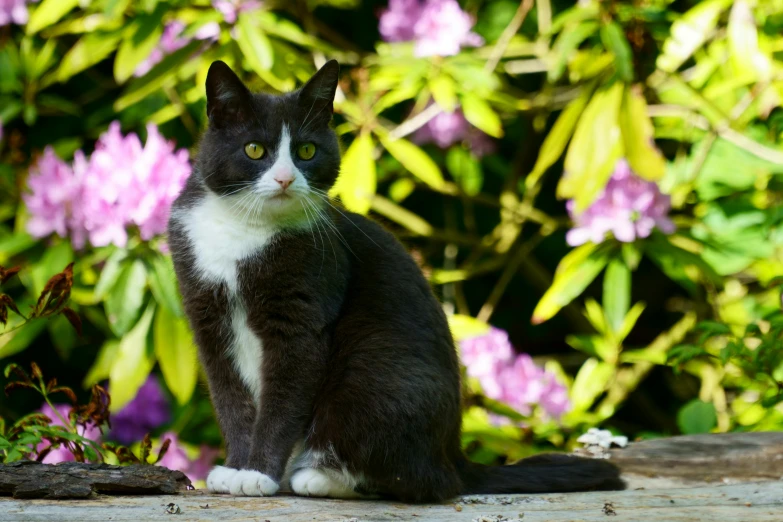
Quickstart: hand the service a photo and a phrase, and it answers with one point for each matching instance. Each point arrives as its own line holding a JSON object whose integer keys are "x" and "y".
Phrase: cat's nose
{"x": 284, "y": 179}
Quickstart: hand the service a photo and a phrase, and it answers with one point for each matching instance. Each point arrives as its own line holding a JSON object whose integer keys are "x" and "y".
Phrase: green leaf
{"x": 165, "y": 71}
{"x": 595, "y": 148}
{"x": 110, "y": 273}
{"x": 617, "y": 293}
{"x": 124, "y": 303}
{"x": 614, "y": 40}
{"x": 176, "y": 353}
{"x": 697, "y": 417}
{"x": 254, "y": 44}
{"x": 47, "y": 13}
{"x": 629, "y": 321}
{"x": 134, "y": 361}
{"x": 591, "y": 380}
{"x": 14, "y": 342}
{"x": 465, "y": 168}
{"x": 637, "y": 129}
{"x": 689, "y": 33}
{"x": 163, "y": 283}
{"x": 444, "y": 92}
{"x": 565, "y": 45}
{"x": 101, "y": 368}
{"x": 465, "y": 326}
{"x": 141, "y": 38}
{"x": 414, "y": 160}
{"x": 54, "y": 261}
{"x": 357, "y": 182}
{"x": 571, "y": 279}
{"x": 401, "y": 188}
{"x": 478, "y": 112}
{"x": 89, "y": 50}
{"x": 557, "y": 139}
{"x": 679, "y": 265}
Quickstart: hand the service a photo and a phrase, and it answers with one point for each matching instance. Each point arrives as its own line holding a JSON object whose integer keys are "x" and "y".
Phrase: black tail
{"x": 546, "y": 473}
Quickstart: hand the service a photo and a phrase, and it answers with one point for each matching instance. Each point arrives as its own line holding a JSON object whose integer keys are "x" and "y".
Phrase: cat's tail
{"x": 546, "y": 473}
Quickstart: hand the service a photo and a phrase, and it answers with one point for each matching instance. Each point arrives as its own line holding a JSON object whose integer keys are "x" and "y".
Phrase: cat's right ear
{"x": 228, "y": 100}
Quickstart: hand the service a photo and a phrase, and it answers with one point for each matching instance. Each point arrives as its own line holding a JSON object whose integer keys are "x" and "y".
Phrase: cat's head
{"x": 269, "y": 154}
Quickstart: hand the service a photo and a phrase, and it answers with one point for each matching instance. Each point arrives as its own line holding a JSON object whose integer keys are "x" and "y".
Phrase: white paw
{"x": 248, "y": 483}
{"x": 219, "y": 479}
{"x": 310, "y": 482}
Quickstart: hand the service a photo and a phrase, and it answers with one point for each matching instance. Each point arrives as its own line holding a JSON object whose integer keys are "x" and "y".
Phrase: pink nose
{"x": 284, "y": 179}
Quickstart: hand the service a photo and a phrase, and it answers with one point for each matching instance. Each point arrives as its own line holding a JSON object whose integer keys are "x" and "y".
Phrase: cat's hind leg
{"x": 312, "y": 476}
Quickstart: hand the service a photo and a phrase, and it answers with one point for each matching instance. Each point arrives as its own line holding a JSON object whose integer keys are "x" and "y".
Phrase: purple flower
{"x": 629, "y": 208}
{"x": 172, "y": 40}
{"x": 122, "y": 184}
{"x": 61, "y": 453}
{"x": 231, "y": 8}
{"x": 448, "y": 128}
{"x": 438, "y": 27}
{"x": 14, "y": 12}
{"x": 147, "y": 411}
{"x": 512, "y": 379}
{"x": 177, "y": 458}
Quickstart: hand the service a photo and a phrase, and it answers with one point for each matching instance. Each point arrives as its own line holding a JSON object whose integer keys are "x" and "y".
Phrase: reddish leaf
{"x": 55, "y": 293}
{"x": 163, "y": 449}
{"x": 74, "y": 319}
{"x": 43, "y": 453}
{"x": 67, "y": 391}
{"x": 6, "y": 300}
{"x": 16, "y": 369}
{"x": 8, "y": 273}
{"x": 3, "y": 314}
{"x": 17, "y": 385}
{"x": 36, "y": 371}
{"x": 146, "y": 445}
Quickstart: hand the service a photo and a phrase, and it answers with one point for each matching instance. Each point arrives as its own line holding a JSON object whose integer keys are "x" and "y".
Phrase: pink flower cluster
{"x": 122, "y": 184}
{"x": 438, "y": 27}
{"x": 230, "y": 9}
{"x": 177, "y": 458}
{"x": 629, "y": 208}
{"x": 448, "y": 128}
{"x": 510, "y": 378}
{"x": 172, "y": 40}
{"x": 14, "y": 12}
{"x": 61, "y": 453}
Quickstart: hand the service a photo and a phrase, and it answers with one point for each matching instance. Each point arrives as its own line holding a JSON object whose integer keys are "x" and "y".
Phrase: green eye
{"x": 254, "y": 150}
{"x": 306, "y": 151}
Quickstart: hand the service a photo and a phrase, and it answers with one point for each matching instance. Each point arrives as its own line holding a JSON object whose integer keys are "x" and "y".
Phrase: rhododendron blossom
{"x": 448, "y": 128}
{"x": 513, "y": 379}
{"x": 14, "y": 12}
{"x": 122, "y": 184}
{"x": 629, "y": 208}
{"x": 438, "y": 27}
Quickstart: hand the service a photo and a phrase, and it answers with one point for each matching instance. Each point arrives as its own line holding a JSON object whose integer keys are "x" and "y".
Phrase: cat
{"x": 329, "y": 360}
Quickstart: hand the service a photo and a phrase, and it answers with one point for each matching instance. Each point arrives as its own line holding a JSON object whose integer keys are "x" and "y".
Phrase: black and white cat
{"x": 330, "y": 362}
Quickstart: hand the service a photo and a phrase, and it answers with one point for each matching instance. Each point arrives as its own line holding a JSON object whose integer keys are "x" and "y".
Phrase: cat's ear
{"x": 317, "y": 95}
{"x": 228, "y": 100}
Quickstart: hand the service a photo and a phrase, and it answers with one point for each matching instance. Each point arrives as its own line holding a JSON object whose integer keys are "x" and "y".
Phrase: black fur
{"x": 358, "y": 360}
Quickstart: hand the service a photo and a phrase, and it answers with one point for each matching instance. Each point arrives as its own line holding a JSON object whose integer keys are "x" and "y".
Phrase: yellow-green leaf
{"x": 89, "y": 50}
{"x": 47, "y": 13}
{"x": 101, "y": 368}
{"x": 176, "y": 353}
{"x": 126, "y": 298}
{"x": 414, "y": 160}
{"x": 444, "y": 92}
{"x": 465, "y": 327}
{"x": 591, "y": 380}
{"x": 140, "y": 40}
{"x": 481, "y": 115}
{"x": 595, "y": 148}
{"x": 557, "y": 139}
{"x": 571, "y": 281}
{"x": 747, "y": 59}
{"x": 357, "y": 183}
{"x": 640, "y": 150}
{"x": 254, "y": 44}
{"x": 133, "y": 363}
{"x": 614, "y": 40}
{"x": 689, "y": 33}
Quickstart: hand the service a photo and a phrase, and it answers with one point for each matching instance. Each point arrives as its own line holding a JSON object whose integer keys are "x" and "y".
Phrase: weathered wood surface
{"x": 705, "y": 477}
{"x": 75, "y": 480}
{"x": 756, "y": 502}
{"x": 706, "y": 458}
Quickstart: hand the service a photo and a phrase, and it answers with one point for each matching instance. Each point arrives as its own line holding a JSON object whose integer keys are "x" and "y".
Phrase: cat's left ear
{"x": 317, "y": 95}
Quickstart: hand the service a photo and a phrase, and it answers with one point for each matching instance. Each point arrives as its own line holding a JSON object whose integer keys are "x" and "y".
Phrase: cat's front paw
{"x": 249, "y": 483}
{"x": 219, "y": 479}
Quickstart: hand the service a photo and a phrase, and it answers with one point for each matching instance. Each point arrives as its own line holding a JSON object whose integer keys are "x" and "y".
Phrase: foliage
{"x": 659, "y": 122}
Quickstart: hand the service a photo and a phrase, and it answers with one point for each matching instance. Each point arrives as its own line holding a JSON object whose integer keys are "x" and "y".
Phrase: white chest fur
{"x": 220, "y": 239}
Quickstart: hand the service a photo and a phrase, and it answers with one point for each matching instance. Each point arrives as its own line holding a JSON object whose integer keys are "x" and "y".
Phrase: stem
{"x": 508, "y": 33}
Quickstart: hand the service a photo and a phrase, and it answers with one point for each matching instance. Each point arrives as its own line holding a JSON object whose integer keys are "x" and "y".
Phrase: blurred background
{"x": 593, "y": 190}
